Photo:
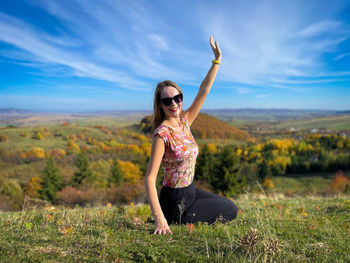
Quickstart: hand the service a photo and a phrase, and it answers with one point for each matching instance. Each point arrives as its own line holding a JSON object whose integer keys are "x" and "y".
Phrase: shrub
{"x": 38, "y": 135}
{"x": 212, "y": 148}
{"x": 12, "y": 189}
{"x": 57, "y": 153}
{"x": 70, "y": 196}
{"x": 22, "y": 155}
{"x": 125, "y": 194}
{"x": 268, "y": 183}
{"x": 30, "y": 203}
{"x": 25, "y": 134}
{"x": 37, "y": 152}
{"x": 340, "y": 183}
{"x": 72, "y": 147}
{"x": 33, "y": 187}
{"x": 3, "y": 138}
{"x": 7, "y": 204}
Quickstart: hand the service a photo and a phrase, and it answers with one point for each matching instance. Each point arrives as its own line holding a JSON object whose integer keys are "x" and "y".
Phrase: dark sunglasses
{"x": 167, "y": 101}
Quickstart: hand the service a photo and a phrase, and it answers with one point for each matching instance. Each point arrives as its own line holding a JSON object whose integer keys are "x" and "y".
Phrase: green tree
{"x": 251, "y": 172}
{"x": 116, "y": 173}
{"x": 226, "y": 177}
{"x": 204, "y": 164}
{"x": 51, "y": 181}
{"x": 264, "y": 170}
{"x": 99, "y": 174}
{"x": 82, "y": 162}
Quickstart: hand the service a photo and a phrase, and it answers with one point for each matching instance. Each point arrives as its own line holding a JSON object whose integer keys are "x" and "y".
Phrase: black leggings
{"x": 190, "y": 205}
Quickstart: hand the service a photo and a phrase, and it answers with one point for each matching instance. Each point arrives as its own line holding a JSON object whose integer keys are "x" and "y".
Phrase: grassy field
{"x": 267, "y": 229}
{"x": 57, "y": 119}
{"x": 304, "y": 184}
{"x": 330, "y": 123}
{"x": 55, "y": 137}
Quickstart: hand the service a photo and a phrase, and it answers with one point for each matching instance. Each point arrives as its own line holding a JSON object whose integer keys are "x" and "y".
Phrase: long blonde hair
{"x": 158, "y": 113}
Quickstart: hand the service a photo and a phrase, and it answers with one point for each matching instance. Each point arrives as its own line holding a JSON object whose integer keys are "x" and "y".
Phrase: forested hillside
{"x": 206, "y": 127}
{"x": 75, "y": 164}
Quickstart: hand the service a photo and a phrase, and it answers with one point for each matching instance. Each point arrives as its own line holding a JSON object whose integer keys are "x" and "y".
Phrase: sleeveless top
{"x": 181, "y": 151}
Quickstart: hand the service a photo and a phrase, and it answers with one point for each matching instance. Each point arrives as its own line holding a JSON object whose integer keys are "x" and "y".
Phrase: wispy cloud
{"x": 341, "y": 56}
{"x": 20, "y": 35}
{"x": 106, "y": 29}
{"x": 265, "y": 41}
{"x": 242, "y": 90}
{"x": 159, "y": 41}
{"x": 319, "y": 28}
{"x": 287, "y": 45}
{"x": 262, "y": 95}
{"x": 103, "y": 52}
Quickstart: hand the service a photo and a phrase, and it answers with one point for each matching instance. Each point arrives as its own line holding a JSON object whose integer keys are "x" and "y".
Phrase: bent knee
{"x": 233, "y": 209}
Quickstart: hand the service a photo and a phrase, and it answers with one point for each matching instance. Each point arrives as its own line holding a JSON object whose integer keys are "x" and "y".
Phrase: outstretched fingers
{"x": 215, "y": 47}
{"x": 211, "y": 40}
{"x": 161, "y": 231}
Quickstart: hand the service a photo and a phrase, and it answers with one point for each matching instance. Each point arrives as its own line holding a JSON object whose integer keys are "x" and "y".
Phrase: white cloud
{"x": 159, "y": 41}
{"x": 264, "y": 44}
{"x": 341, "y": 56}
{"x": 262, "y": 95}
{"x": 20, "y": 35}
{"x": 242, "y": 90}
{"x": 319, "y": 28}
{"x": 267, "y": 41}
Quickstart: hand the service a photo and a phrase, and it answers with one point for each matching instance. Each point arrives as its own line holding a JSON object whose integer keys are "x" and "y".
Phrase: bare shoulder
{"x": 158, "y": 141}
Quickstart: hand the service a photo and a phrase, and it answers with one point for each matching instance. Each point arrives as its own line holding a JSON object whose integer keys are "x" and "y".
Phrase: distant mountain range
{"x": 13, "y": 111}
{"x": 248, "y": 114}
{"x": 216, "y": 111}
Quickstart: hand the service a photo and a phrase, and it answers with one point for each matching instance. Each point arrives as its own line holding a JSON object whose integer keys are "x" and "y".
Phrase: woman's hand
{"x": 215, "y": 48}
{"x": 162, "y": 227}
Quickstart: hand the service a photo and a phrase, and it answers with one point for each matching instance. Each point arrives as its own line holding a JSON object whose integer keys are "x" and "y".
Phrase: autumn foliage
{"x": 37, "y": 152}
{"x": 3, "y": 138}
{"x": 33, "y": 187}
{"x": 340, "y": 183}
{"x": 206, "y": 127}
{"x": 268, "y": 183}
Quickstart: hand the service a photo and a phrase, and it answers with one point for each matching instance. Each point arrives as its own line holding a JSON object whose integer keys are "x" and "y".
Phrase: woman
{"x": 174, "y": 146}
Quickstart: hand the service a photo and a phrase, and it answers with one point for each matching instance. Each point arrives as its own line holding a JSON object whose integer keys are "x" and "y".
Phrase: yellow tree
{"x": 33, "y": 187}
{"x": 131, "y": 172}
{"x": 37, "y": 152}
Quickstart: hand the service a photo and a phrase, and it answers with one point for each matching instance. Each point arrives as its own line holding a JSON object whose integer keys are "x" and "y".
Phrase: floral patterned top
{"x": 181, "y": 151}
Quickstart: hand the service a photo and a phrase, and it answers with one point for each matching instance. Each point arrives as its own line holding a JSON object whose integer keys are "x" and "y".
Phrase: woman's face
{"x": 174, "y": 109}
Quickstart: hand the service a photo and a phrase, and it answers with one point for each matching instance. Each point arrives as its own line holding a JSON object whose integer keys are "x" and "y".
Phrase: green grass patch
{"x": 310, "y": 229}
{"x": 301, "y": 184}
{"x": 330, "y": 123}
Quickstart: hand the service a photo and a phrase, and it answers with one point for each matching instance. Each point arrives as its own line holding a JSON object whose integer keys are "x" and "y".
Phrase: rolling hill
{"x": 206, "y": 127}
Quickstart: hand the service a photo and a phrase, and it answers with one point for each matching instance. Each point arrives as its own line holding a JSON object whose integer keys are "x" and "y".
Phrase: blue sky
{"x": 109, "y": 55}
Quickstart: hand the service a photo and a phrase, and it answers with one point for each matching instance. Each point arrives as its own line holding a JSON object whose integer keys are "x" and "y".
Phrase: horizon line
{"x": 150, "y": 110}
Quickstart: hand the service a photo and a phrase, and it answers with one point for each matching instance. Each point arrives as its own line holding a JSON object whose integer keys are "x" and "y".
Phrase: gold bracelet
{"x": 214, "y": 61}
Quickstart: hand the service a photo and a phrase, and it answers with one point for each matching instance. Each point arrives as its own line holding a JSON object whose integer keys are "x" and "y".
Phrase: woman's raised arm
{"x": 191, "y": 113}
